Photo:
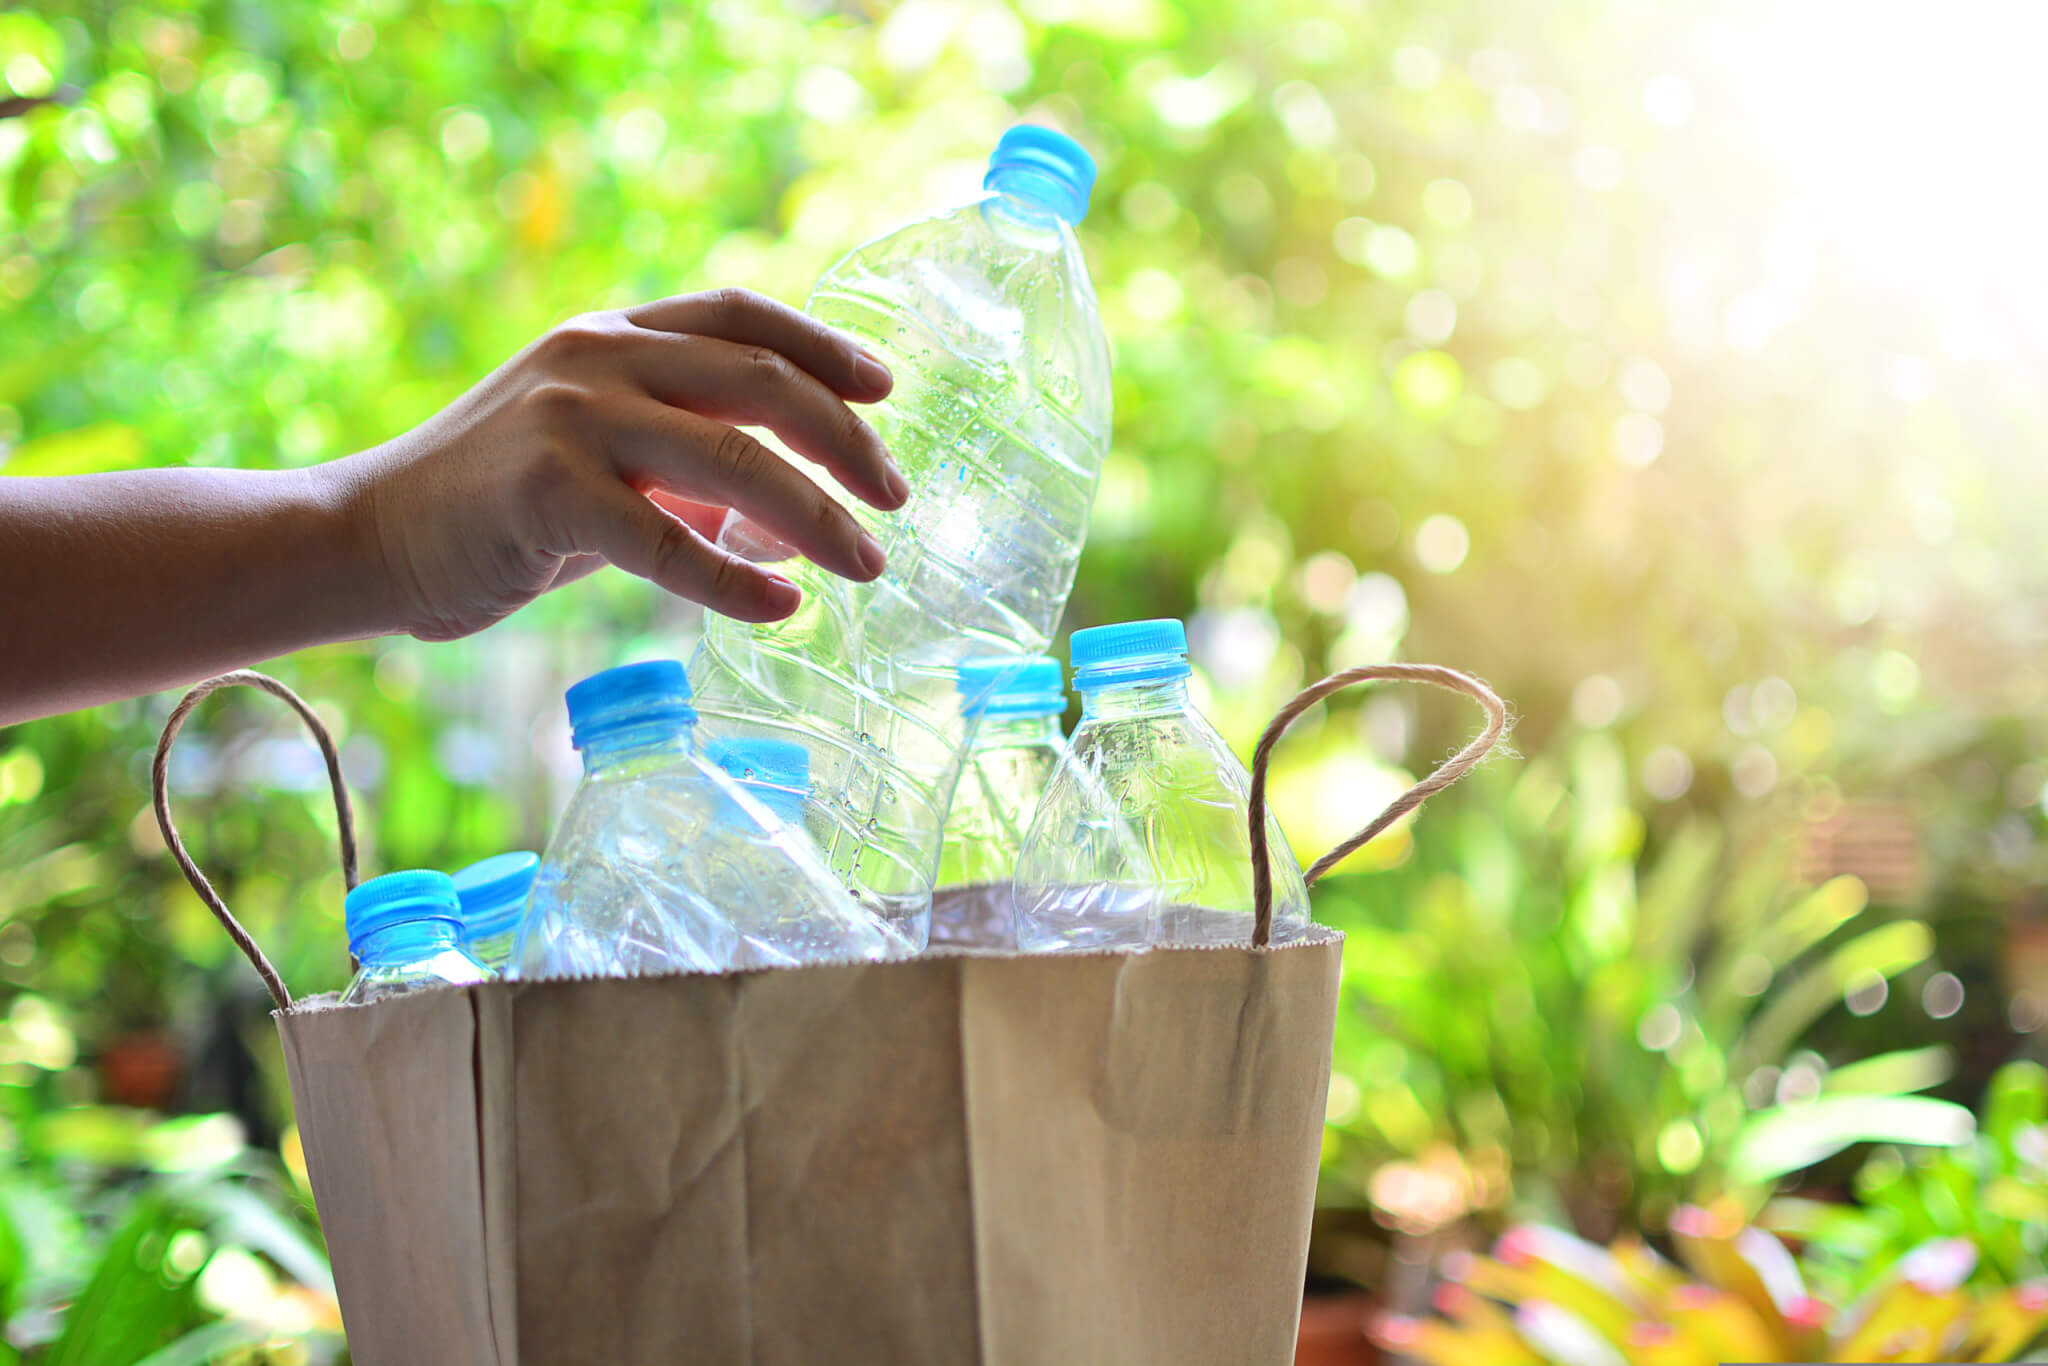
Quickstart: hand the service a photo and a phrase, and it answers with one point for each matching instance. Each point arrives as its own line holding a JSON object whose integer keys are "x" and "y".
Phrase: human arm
{"x": 118, "y": 584}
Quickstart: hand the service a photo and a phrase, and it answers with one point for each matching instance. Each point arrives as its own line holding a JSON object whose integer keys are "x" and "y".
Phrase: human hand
{"x": 551, "y": 465}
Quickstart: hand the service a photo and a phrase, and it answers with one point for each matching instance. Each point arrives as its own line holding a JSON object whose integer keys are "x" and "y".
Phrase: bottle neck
{"x": 631, "y": 745}
{"x": 408, "y": 941}
{"x": 482, "y": 922}
{"x": 1134, "y": 699}
{"x": 1022, "y": 220}
{"x": 1018, "y": 732}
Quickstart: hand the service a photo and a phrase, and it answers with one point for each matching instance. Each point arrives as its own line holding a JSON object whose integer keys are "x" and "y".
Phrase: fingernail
{"x": 872, "y": 557}
{"x": 783, "y": 596}
{"x": 872, "y": 374}
{"x": 898, "y": 486}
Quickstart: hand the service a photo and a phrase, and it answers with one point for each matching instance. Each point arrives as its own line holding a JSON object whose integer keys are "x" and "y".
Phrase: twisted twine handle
{"x": 1452, "y": 769}
{"x": 160, "y": 796}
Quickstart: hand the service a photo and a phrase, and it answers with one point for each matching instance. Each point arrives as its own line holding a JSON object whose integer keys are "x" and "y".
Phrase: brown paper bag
{"x": 974, "y": 1158}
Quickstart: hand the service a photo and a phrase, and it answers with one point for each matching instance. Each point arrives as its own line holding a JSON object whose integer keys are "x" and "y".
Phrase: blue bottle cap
{"x": 1014, "y": 685}
{"x": 1130, "y": 652}
{"x": 1049, "y": 169}
{"x": 493, "y": 893}
{"x": 654, "y": 693}
{"x": 398, "y": 899}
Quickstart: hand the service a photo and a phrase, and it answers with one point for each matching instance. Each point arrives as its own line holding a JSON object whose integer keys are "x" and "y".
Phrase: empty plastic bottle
{"x": 999, "y": 419}
{"x": 1142, "y": 835}
{"x": 1017, "y": 704}
{"x": 493, "y": 894}
{"x": 404, "y": 929}
{"x": 776, "y": 772}
{"x": 662, "y": 863}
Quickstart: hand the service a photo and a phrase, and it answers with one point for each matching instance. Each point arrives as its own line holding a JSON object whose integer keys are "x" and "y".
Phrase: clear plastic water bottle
{"x": 493, "y": 895}
{"x": 999, "y": 420}
{"x": 404, "y": 929}
{"x": 776, "y": 772}
{"x": 1142, "y": 835}
{"x": 662, "y": 863}
{"x": 1016, "y": 707}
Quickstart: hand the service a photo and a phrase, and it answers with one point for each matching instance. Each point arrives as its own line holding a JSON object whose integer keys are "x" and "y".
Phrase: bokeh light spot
{"x": 1431, "y": 317}
{"x": 1428, "y": 382}
{"x": 1416, "y": 67}
{"x": 1679, "y": 1147}
{"x": 1638, "y": 440}
{"x": 1866, "y": 993}
{"x": 1754, "y": 772}
{"x": 1596, "y": 702}
{"x": 1441, "y": 543}
{"x": 1390, "y": 252}
{"x": 1660, "y": 1027}
{"x": 1942, "y": 996}
{"x": 1667, "y": 773}
{"x": 1447, "y": 203}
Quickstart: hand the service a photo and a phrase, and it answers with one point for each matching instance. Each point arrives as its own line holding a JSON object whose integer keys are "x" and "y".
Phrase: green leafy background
{"x": 1507, "y": 337}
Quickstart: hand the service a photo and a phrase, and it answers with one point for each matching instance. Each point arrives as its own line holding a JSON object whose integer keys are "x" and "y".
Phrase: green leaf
{"x": 1826, "y": 909}
{"x": 1788, "y": 1138}
{"x": 1909, "y": 1069}
{"x": 203, "y": 1345}
{"x": 239, "y": 1215}
{"x": 126, "y": 1310}
{"x": 1886, "y": 951}
{"x": 1677, "y": 892}
{"x": 13, "y": 1260}
{"x": 103, "y": 1135}
{"x": 2016, "y": 1098}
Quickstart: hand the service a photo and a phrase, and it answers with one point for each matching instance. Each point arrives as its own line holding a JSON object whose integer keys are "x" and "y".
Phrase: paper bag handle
{"x": 160, "y": 795}
{"x": 1452, "y": 769}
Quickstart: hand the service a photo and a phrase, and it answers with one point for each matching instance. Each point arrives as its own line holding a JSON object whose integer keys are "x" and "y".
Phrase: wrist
{"x": 335, "y": 509}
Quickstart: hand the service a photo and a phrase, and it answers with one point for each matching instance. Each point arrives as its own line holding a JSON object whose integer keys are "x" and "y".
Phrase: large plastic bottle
{"x": 662, "y": 863}
{"x": 999, "y": 420}
{"x": 1142, "y": 835}
{"x": 493, "y": 895}
{"x": 776, "y": 772}
{"x": 1015, "y": 707}
{"x": 403, "y": 929}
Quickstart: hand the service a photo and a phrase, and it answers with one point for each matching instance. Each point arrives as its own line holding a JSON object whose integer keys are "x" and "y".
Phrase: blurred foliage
{"x": 1502, "y": 336}
{"x": 1534, "y": 1009}
{"x": 1546, "y": 1298}
{"x": 1993, "y": 1192}
{"x": 131, "y": 1240}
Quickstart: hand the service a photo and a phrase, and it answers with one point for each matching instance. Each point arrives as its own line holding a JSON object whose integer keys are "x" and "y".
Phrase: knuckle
{"x": 559, "y": 403}
{"x": 728, "y": 578}
{"x": 768, "y": 365}
{"x": 673, "y": 548}
{"x": 830, "y": 518}
{"x": 580, "y": 338}
{"x": 734, "y": 302}
{"x": 854, "y": 429}
{"x": 741, "y": 458}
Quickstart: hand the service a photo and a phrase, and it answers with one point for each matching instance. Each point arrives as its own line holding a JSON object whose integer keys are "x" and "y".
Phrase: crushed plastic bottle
{"x": 1015, "y": 705}
{"x": 662, "y": 863}
{"x": 777, "y": 772}
{"x": 403, "y": 929}
{"x": 999, "y": 419}
{"x": 493, "y": 894}
{"x": 1141, "y": 838}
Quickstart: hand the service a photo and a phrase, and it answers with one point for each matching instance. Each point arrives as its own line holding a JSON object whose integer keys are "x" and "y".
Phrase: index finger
{"x": 740, "y": 315}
